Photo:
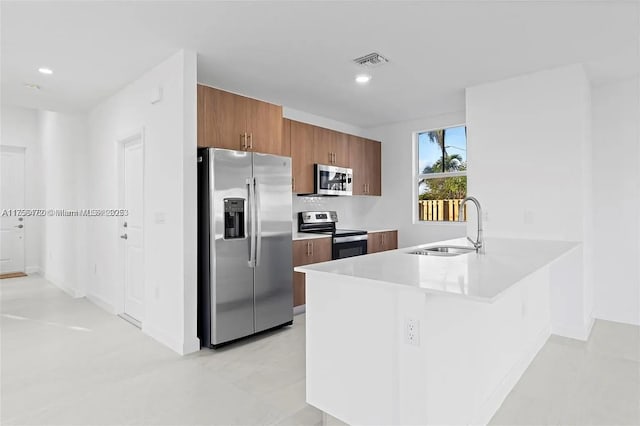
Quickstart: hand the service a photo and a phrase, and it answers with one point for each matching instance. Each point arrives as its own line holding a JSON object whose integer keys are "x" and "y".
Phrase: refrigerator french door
{"x": 244, "y": 244}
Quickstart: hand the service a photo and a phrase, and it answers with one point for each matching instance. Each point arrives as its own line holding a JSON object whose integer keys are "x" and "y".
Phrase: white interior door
{"x": 131, "y": 232}
{"x": 11, "y": 201}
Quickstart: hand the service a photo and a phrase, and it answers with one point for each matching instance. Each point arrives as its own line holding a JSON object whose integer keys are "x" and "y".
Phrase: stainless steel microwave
{"x": 331, "y": 180}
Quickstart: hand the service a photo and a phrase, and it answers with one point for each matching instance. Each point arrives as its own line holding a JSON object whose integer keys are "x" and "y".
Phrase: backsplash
{"x": 352, "y": 211}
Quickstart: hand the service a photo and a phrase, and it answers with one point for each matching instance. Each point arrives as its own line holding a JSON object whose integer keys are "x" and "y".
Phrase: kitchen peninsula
{"x": 401, "y": 338}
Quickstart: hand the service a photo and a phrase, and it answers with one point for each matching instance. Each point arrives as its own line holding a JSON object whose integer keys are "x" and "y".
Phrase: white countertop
{"x": 477, "y": 276}
{"x": 307, "y": 236}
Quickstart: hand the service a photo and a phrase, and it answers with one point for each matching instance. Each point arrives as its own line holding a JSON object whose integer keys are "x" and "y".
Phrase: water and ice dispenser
{"x": 234, "y": 209}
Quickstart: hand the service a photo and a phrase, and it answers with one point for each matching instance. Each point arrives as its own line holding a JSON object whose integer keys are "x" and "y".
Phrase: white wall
{"x": 616, "y": 192}
{"x": 169, "y": 185}
{"x": 529, "y": 148}
{"x": 19, "y": 127}
{"x": 398, "y": 205}
{"x": 63, "y": 141}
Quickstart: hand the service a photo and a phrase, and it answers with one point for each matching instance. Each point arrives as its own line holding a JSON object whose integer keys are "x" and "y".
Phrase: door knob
{"x": 124, "y": 237}
{"x": 19, "y": 226}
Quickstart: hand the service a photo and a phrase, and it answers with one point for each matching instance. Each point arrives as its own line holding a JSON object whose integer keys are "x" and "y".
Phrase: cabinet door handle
{"x": 293, "y": 183}
{"x": 334, "y": 158}
{"x": 311, "y": 244}
{"x": 250, "y": 140}
{"x": 243, "y": 139}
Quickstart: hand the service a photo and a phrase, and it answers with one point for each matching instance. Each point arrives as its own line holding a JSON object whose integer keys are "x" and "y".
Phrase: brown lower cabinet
{"x": 382, "y": 241}
{"x": 305, "y": 252}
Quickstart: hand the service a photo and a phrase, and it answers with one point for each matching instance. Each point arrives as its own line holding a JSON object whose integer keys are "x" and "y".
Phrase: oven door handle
{"x": 338, "y": 240}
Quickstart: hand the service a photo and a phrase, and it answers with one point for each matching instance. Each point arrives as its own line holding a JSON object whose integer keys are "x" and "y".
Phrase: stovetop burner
{"x": 324, "y": 223}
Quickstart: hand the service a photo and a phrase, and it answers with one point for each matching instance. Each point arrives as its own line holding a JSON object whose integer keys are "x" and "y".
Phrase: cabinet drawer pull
{"x": 311, "y": 244}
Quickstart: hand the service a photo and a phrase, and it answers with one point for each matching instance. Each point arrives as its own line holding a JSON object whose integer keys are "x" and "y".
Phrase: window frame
{"x": 417, "y": 177}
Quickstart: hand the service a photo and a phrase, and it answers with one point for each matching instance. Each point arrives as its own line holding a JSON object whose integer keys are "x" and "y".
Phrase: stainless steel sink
{"x": 443, "y": 251}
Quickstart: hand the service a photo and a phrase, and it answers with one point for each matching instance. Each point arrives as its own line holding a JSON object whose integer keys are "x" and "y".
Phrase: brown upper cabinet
{"x": 227, "y": 120}
{"x": 330, "y": 147}
{"x": 366, "y": 162}
{"x": 311, "y": 145}
{"x": 302, "y": 157}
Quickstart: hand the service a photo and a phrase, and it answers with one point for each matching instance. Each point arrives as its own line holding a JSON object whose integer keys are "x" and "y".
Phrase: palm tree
{"x": 451, "y": 163}
{"x": 437, "y": 136}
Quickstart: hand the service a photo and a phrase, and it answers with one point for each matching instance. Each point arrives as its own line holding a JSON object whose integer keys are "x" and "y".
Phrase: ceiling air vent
{"x": 371, "y": 60}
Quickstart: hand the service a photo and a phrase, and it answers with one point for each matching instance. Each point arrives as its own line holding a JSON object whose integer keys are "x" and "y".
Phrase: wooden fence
{"x": 440, "y": 210}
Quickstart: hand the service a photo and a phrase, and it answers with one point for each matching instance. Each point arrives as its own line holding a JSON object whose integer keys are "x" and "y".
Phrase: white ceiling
{"x": 299, "y": 54}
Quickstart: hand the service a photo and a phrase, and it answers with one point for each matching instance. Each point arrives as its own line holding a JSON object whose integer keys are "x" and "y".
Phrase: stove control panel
{"x": 319, "y": 217}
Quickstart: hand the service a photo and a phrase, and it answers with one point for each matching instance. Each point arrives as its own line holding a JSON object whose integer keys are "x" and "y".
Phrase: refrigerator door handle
{"x": 258, "y": 217}
{"x": 252, "y": 236}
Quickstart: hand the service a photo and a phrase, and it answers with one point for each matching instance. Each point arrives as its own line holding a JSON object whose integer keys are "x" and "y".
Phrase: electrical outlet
{"x": 412, "y": 332}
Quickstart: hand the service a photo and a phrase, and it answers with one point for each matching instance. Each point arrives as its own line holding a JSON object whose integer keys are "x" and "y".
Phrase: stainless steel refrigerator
{"x": 244, "y": 244}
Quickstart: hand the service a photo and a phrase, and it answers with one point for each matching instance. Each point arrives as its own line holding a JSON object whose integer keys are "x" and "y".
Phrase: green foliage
{"x": 445, "y": 188}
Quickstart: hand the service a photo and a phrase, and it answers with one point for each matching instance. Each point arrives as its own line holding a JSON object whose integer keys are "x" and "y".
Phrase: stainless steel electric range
{"x": 345, "y": 242}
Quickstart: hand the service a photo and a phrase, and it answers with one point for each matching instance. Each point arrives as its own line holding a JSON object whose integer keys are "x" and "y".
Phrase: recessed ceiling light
{"x": 46, "y": 71}
{"x": 363, "y": 78}
{"x": 32, "y": 86}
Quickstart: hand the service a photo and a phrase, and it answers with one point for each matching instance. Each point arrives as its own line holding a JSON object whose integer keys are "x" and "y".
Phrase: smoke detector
{"x": 371, "y": 60}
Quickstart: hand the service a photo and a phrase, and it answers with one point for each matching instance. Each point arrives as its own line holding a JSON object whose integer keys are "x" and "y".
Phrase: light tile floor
{"x": 580, "y": 383}
{"x": 66, "y": 361}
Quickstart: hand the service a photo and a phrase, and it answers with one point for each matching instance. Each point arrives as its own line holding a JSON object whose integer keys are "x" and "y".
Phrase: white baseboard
{"x": 163, "y": 338}
{"x": 493, "y": 403}
{"x": 32, "y": 270}
{"x": 191, "y": 346}
{"x": 101, "y": 303}
{"x": 62, "y": 285}
{"x": 573, "y": 331}
{"x": 626, "y": 320}
{"x": 300, "y": 309}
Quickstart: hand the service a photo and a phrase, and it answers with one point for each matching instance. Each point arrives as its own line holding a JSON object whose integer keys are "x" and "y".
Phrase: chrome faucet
{"x": 478, "y": 243}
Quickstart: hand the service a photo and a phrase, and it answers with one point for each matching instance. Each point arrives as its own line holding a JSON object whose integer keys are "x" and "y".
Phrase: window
{"x": 441, "y": 173}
